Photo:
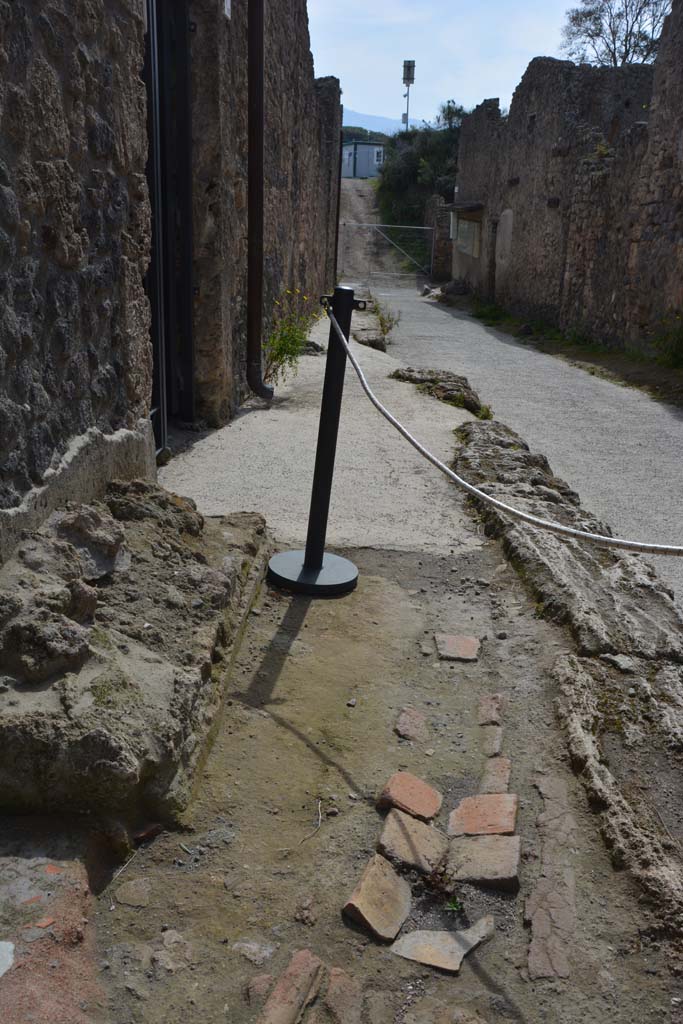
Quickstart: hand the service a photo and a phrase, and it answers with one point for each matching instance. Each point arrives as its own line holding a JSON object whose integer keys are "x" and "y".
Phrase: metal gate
{"x": 398, "y": 253}
{"x": 169, "y": 174}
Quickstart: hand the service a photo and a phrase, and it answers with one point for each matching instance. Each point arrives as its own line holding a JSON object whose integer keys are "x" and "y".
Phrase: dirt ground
{"x": 309, "y": 723}
{"x": 366, "y": 258}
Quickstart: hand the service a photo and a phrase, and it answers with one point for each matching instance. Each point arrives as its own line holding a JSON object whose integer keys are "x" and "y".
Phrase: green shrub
{"x": 489, "y": 312}
{"x": 668, "y": 341}
{"x": 294, "y": 317}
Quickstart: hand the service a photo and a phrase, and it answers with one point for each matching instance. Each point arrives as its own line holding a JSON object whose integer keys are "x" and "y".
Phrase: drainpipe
{"x": 256, "y": 22}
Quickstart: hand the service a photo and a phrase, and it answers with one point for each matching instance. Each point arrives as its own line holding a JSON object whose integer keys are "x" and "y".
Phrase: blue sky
{"x": 463, "y": 51}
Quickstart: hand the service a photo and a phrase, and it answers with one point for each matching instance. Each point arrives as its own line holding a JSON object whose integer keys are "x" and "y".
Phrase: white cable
{"x": 525, "y": 517}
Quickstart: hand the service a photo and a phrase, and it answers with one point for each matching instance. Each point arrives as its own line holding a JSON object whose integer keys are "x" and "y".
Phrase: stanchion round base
{"x": 337, "y": 576}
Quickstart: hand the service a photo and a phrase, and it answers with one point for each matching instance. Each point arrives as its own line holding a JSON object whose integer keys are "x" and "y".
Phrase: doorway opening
{"x": 169, "y": 174}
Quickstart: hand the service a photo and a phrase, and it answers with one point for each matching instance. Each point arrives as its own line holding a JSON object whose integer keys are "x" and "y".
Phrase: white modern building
{"x": 362, "y": 159}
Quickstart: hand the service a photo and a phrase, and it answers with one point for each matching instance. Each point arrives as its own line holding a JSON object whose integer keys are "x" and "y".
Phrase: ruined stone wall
{"x": 624, "y": 276}
{"x": 303, "y": 125}
{"x": 75, "y": 359}
{"x": 582, "y": 197}
{"x": 524, "y": 170}
{"x": 438, "y": 218}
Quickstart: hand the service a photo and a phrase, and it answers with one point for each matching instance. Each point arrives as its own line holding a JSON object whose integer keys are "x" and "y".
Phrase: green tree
{"x": 418, "y": 164}
{"x": 611, "y": 33}
{"x": 351, "y": 133}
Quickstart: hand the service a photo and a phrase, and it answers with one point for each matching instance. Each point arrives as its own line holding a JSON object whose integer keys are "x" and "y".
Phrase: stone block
{"x": 491, "y": 740}
{"x": 490, "y": 861}
{"x": 412, "y": 842}
{"x": 412, "y": 795}
{"x": 489, "y": 709}
{"x": 489, "y": 814}
{"x": 496, "y": 778}
{"x": 381, "y": 901}
{"x": 454, "y": 647}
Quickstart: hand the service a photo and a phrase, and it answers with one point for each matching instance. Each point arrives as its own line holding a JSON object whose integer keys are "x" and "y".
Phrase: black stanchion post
{"x": 315, "y": 571}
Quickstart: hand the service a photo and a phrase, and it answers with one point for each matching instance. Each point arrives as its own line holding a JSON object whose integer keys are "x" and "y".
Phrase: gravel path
{"x": 384, "y": 494}
{"x": 617, "y": 447}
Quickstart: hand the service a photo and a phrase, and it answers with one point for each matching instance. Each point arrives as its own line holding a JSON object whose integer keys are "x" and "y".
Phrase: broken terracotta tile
{"x": 487, "y": 814}
{"x": 258, "y": 988}
{"x": 491, "y": 740}
{"x": 45, "y": 922}
{"x": 491, "y": 861}
{"x": 496, "y": 776}
{"x": 410, "y": 794}
{"x": 454, "y": 647}
{"x": 411, "y": 725}
{"x": 52, "y": 869}
{"x": 296, "y": 989}
{"x": 381, "y": 901}
{"x": 445, "y": 950}
{"x": 489, "y": 709}
{"x": 342, "y": 1003}
{"x": 412, "y": 842}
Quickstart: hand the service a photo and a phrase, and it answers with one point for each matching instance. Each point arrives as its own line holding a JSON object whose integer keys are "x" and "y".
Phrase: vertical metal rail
{"x": 337, "y": 228}
{"x": 315, "y": 571}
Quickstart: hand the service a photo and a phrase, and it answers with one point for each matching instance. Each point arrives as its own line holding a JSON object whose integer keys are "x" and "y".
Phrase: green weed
{"x": 294, "y": 317}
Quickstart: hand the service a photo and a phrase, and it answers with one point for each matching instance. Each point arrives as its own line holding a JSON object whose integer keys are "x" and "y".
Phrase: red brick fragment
{"x": 296, "y": 989}
{"x": 485, "y": 815}
{"x": 454, "y": 647}
{"x": 412, "y": 795}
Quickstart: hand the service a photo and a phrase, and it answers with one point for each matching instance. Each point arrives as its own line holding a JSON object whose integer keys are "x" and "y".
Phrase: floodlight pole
{"x": 408, "y": 80}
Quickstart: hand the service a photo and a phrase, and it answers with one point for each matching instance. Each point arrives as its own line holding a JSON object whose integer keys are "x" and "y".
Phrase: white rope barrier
{"x": 525, "y": 517}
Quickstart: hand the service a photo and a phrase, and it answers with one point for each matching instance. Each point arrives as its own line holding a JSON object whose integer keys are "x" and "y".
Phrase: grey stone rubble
{"x": 623, "y": 619}
{"x": 633, "y": 615}
{"x": 111, "y": 618}
{"x": 447, "y": 387}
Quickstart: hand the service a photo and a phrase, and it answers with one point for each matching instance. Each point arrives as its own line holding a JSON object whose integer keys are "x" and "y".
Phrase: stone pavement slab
{"x": 496, "y": 778}
{"x": 491, "y": 861}
{"x": 412, "y": 843}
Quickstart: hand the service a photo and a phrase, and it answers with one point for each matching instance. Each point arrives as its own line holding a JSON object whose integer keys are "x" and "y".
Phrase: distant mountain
{"x": 373, "y": 123}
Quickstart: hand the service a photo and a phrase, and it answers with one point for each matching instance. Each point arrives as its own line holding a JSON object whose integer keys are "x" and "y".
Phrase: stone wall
{"x": 438, "y": 217}
{"x": 75, "y": 359}
{"x": 303, "y": 126}
{"x": 75, "y": 232}
{"x": 624, "y": 277}
{"x": 579, "y": 193}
